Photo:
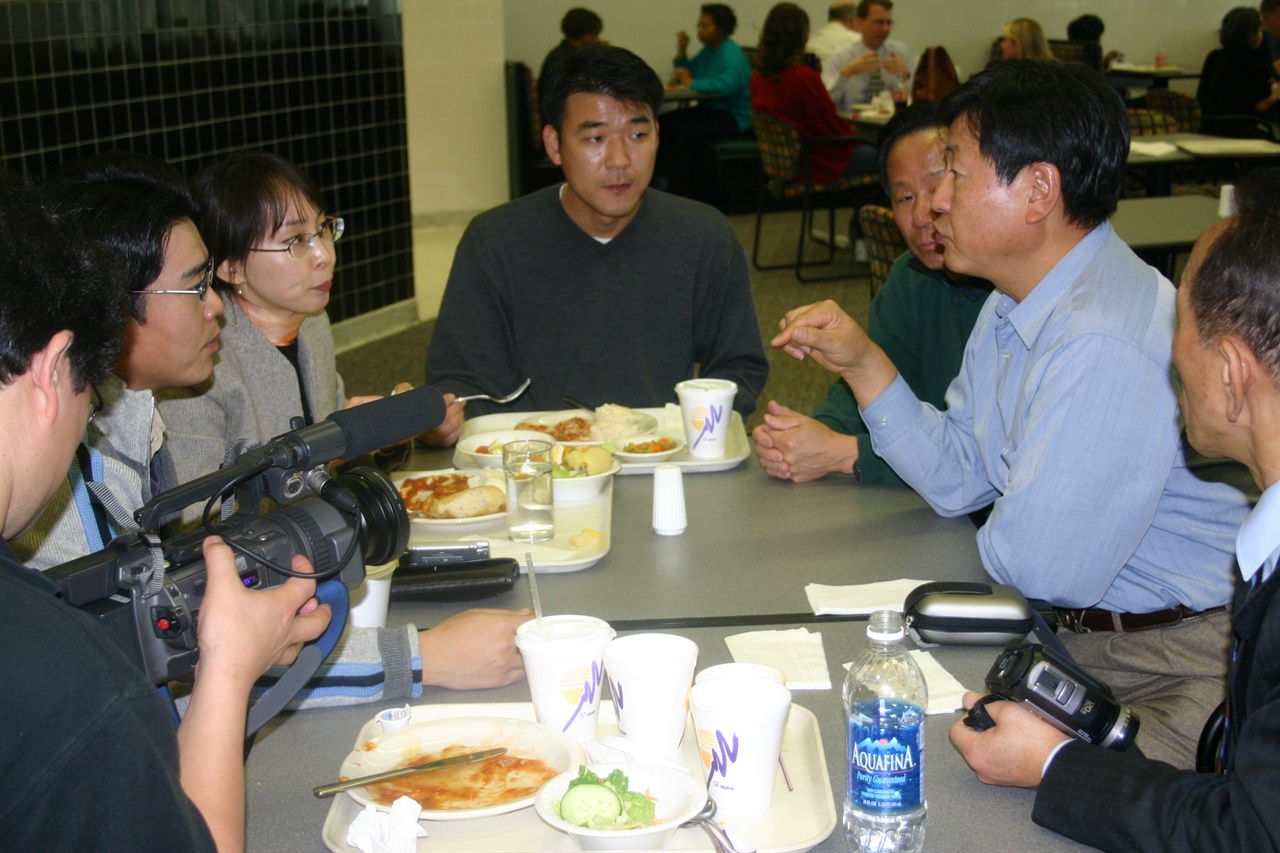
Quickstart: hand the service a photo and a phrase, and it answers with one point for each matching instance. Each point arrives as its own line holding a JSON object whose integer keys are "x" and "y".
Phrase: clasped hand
{"x": 1013, "y": 751}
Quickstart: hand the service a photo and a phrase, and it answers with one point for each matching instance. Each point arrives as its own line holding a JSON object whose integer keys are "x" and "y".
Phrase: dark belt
{"x": 1096, "y": 619}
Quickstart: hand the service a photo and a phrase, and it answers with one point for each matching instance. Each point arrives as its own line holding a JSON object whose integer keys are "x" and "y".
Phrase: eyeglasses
{"x": 95, "y": 403}
{"x": 300, "y": 246}
{"x": 201, "y": 289}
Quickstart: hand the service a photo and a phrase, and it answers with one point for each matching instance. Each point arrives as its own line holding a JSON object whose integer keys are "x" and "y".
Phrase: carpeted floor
{"x": 375, "y": 367}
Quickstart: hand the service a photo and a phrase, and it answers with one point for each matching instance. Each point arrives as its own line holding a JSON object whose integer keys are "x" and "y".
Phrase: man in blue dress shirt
{"x": 1064, "y": 413}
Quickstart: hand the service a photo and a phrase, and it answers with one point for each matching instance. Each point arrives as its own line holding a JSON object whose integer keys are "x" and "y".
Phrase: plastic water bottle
{"x": 884, "y": 699}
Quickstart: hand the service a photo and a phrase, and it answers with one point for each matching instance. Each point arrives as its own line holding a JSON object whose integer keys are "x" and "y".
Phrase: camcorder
{"x": 278, "y": 500}
{"x": 1061, "y": 693}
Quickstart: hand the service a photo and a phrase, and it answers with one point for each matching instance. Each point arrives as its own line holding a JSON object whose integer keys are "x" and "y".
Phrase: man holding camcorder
{"x": 1227, "y": 355}
{"x": 89, "y": 758}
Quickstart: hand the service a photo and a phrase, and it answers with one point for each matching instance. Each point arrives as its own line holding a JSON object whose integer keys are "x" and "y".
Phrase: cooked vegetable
{"x": 658, "y": 445}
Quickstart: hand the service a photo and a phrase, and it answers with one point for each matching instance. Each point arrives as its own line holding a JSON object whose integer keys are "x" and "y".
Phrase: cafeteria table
{"x": 1158, "y": 229}
{"x": 1158, "y": 168}
{"x": 751, "y": 545}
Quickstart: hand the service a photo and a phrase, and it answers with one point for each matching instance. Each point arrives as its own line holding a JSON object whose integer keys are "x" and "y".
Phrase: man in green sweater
{"x": 922, "y": 317}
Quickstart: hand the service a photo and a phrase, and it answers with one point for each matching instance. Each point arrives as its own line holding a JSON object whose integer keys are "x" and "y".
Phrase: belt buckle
{"x": 1073, "y": 620}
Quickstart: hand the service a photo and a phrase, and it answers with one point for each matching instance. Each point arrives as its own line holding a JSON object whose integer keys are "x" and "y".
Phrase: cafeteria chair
{"x": 1085, "y": 52}
{"x": 785, "y": 158}
{"x": 884, "y": 242}
{"x": 1151, "y": 123}
{"x": 528, "y": 167}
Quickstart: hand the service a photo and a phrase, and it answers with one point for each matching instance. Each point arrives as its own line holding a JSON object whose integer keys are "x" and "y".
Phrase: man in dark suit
{"x": 1227, "y": 354}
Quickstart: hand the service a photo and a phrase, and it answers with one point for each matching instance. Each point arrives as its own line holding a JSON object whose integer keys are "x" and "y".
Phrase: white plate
{"x": 641, "y": 458}
{"x": 796, "y": 821}
{"x": 522, "y": 739}
{"x": 645, "y": 423}
{"x": 469, "y": 444}
{"x": 491, "y": 477}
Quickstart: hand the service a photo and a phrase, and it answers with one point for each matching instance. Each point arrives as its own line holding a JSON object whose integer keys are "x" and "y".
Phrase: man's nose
{"x": 616, "y": 154}
{"x": 940, "y": 202}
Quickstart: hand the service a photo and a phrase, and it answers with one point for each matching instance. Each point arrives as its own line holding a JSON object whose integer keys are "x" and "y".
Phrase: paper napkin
{"x": 796, "y": 652}
{"x": 859, "y": 598}
{"x": 945, "y": 693}
{"x": 379, "y": 832}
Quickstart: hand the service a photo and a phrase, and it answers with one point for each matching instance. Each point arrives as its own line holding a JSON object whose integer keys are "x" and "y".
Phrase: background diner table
{"x": 751, "y": 545}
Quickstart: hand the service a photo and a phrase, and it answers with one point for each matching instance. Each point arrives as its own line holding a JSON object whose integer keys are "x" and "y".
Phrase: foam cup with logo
{"x": 739, "y": 724}
{"x": 649, "y": 678}
{"x": 706, "y": 408}
{"x": 564, "y": 662}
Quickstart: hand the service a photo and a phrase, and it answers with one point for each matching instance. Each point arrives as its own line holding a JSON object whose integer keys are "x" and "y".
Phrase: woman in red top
{"x": 783, "y": 86}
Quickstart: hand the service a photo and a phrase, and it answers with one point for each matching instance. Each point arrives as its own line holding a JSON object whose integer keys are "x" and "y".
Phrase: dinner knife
{"x": 470, "y": 758}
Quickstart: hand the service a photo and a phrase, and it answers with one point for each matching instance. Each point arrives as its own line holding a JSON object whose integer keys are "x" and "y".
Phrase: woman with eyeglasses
{"x": 272, "y": 242}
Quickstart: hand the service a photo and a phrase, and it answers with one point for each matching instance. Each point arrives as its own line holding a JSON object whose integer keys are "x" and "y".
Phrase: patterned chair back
{"x": 1183, "y": 109}
{"x": 1151, "y": 123}
{"x": 884, "y": 242}
{"x": 780, "y": 149}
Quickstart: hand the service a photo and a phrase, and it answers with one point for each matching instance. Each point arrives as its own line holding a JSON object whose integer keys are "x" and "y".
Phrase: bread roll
{"x": 482, "y": 500}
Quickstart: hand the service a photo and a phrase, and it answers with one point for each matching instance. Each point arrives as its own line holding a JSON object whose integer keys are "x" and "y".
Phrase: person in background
{"x": 783, "y": 86}
{"x": 855, "y": 74}
{"x": 1063, "y": 413}
{"x": 1023, "y": 39}
{"x": 272, "y": 243}
{"x": 1237, "y": 78}
{"x": 1227, "y": 356}
{"x": 1269, "y": 12}
{"x": 601, "y": 289}
{"x": 580, "y": 28}
{"x": 922, "y": 318}
{"x": 90, "y": 754}
{"x": 841, "y": 30}
{"x": 720, "y": 70}
{"x": 1091, "y": 28}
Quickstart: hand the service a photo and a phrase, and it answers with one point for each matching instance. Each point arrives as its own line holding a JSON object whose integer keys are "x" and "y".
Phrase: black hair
{"x": 921, "y": 115}
{"x": 1027, "y": 111}
{"x": 864, "y": 8}
{"x": 1239, "y": 26}
{"x": 245, "y": 196}
{"x": 848, "y": 10}
{"x": 1266, "y": 7}
{"x": 129, "y": 203}
{"x": 54, "y": 279}
{"x": 601, "y": 69}
{"x": 580, "y": 22}
{"x": 1086, "y": 28}
{"x": 1237, "y": 288}
{"x": 722, "y": 16}
{"x": 786, "y": 29}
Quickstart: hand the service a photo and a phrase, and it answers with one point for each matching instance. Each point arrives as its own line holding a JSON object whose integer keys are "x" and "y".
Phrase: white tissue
{"x": 374, "y": 831}
{"x": 945, "y": 693}
{"x": 796, "y": 652}
{"x": 858, "y": 599}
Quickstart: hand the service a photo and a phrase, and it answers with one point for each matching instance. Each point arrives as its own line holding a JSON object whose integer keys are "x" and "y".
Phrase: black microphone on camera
{"x": 346, "y": 434}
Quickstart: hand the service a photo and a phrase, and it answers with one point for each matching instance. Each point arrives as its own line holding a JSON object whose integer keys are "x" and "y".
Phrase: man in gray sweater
{"x": 601, "y": 289}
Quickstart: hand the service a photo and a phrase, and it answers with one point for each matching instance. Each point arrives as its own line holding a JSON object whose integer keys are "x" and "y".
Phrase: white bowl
{"x": 677, "y": 797}
{"x": 469, "y": 444}
{"x": 570, "y": 489}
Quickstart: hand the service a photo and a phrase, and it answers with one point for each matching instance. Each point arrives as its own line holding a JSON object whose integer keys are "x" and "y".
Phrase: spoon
{"x": 499, "y": 400}
{"x": 719, "y": 840}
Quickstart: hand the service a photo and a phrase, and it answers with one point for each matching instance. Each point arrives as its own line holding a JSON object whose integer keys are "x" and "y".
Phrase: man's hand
{"x": 682, "y": 76}
{"x": 242, "y": 632}
{"x": 682, "y": 43}
{"x": 864, "y": 64}
{"x": 825, "y": 333}
{"x": 1013, "y": 751}
{"x": 473, "y": 649}
{"x": 448, "y": 433}
{"x": 791, "y": 446}
{"x": 894, "y": 65}
{"x": 352, "y": 402}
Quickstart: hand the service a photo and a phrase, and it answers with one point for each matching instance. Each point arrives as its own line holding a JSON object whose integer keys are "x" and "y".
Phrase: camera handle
{"x": 334, "y": 594}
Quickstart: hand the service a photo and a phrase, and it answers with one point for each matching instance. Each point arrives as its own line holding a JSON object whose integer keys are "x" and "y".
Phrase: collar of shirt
{"x": 1258, "y": 542}
{"x": 1029, "y": 316}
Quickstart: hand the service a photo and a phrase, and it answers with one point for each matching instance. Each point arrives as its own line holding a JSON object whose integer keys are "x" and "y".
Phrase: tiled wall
{"x": 320, "y": 82}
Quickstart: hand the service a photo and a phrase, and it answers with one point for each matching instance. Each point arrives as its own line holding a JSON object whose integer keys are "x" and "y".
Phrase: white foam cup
{"x": 739, "y": 724}
{"x": 649, "y": 678}
{"x": 741, "y": 670}
{"x": 706, "y": 409}
{"x": 370, "y": 600}
{"x": 564, "y": 663}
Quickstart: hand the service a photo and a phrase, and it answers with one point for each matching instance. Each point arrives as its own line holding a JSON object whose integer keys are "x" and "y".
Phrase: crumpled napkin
{"x": 795, "y": 651}
{"x": 859, "y": 598}
{"x": 374, "y": 831}
{"x": 1152, "y": 149}
{"x": 945, "y": 693}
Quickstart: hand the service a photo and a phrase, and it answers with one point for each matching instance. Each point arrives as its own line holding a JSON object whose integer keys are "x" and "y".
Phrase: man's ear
{"x": 50, "y": 367}
{"x": 1239, "y": 370}
{"x": 551, "y": 141}
{"x": 1044, "y": 184}
{"x": 232, "y": 272}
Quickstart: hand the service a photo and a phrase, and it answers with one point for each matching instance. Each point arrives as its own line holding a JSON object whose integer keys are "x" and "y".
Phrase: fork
{"x": 499, "y": 400}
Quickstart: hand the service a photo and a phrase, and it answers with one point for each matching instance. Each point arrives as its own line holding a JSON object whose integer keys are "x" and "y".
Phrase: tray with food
{"x": 803, "y": 812}
{"x": 582, "y": 525}
{"x": 637, "y": 452}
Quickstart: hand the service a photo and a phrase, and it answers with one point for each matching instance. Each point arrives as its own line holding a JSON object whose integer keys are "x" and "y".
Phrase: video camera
{"x": 147, "y": 592}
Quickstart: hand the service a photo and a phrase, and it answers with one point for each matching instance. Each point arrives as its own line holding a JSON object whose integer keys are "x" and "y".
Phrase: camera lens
{"x": 384, "y": 524}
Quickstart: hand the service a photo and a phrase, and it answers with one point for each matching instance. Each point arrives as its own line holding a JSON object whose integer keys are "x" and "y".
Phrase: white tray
{"x": 738, "y": 447}
{"x": 797, "y": 821}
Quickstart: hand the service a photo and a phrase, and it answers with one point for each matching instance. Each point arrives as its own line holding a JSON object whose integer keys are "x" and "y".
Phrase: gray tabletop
{"x": 751, "y": 545}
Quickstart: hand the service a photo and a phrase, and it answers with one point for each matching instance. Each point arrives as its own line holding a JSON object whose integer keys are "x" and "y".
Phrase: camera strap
{"x": 87, "y": 470}
{"x": 153, "y": 575}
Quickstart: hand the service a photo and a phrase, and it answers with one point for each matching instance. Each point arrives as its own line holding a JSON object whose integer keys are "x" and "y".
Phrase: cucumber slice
{"x": 583, "y": 805}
